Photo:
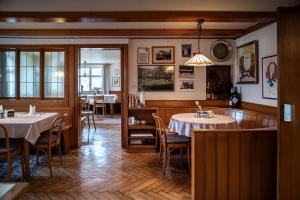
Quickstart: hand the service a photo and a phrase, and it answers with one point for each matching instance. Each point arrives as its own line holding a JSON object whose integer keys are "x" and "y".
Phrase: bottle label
{"x": 235, "y": 100}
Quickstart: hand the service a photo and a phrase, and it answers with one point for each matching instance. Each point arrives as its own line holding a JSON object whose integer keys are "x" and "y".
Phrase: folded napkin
{"x": 31, "y": 109}
{"x": 1, "y": 108}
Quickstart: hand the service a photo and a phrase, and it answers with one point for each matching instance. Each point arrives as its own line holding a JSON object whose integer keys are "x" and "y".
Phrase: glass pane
{"x": 61, "y": 59}
{"x": 30, "y": 74}
{"x": 47, "y": 90}
{"x": 85, "y": 84}
{"x": 54, "y": 89}
{"x": 47, "y": 74}
{"x": 53, "y": 74}
{"x": 54, "y": 61}
{"x": 96, "y": 82}
{"x": 48, "y": 59}
{"x": 7, "y": 74}
{"x": 60, "y": 74}
{"x": 60, "y": 89}
{"x": 96, "y": 71}
{"x": 84, "y": 71}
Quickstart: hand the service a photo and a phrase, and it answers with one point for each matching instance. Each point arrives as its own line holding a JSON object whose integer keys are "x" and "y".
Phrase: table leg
{"x": 111, "y": 110}
{"x": 26, "y": 158}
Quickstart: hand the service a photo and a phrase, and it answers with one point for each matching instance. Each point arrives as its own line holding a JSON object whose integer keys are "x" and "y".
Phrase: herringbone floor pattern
{"x": 101, "y": 169}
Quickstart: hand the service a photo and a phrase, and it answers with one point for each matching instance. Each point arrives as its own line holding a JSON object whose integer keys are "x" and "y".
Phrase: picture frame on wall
{"x": 143, "y": 55}
{"x": 186, "y": 50}
{"x": 269, "y": 77}
{"x": 186, "y": 85}
{"x": 116, "y": 81}
{"x": 155, "y": 78}
{"x": 163, "y": 55}
{"x": 186, "y": 71}
{"x": 247, "y": 63}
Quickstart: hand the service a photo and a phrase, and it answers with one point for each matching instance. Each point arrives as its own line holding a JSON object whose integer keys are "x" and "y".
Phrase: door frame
{"x": 124, "y": 86}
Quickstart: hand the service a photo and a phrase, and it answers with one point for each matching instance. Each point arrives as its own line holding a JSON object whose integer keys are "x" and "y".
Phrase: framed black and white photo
{"x": 186, "y": 71}
{"x": 187, "y": 85}
{"x": 156, "y": 77}
{"x": 269, "y": 77}
{"x": 186, "y": 50}
{"x": 142, "y": 55}
{"x": 116, "y": 81}
{"x": 163, "y": 55}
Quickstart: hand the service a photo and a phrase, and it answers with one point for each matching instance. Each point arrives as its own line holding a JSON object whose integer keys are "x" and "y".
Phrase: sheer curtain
{"x": 106, "y": 78}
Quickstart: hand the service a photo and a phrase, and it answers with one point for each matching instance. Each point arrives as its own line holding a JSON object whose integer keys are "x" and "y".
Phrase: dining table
{"x": 28, "y": 127}
{"x": 110, "y": 99}
{"x": 184, "y": 123}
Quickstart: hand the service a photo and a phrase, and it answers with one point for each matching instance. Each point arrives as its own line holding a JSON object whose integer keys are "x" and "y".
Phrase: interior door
{"x": 289, "y": 101}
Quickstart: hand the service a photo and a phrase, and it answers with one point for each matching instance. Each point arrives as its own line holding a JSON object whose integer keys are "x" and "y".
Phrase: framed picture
{"x": 247, "y": 63}
{"x": 186, "y": 71}
{"x": 163, "y": 55}
{"x": 186, "y": 50}
{"x": 156, "y": 77}
{"x": 116, "y": 81}
{"x": 142, "y": 55}
{"x": 269, "y": 77}
{"x": 187, "y": 85}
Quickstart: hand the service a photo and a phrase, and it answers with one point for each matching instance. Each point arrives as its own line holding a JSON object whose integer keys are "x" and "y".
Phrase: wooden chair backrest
{"x": 84, "y": 104}
{"x": 57, "y": 127}
{"x": 160, "y": 127}
{"x": 6, "y": 139}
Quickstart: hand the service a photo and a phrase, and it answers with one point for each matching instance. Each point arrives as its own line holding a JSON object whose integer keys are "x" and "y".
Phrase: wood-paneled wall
{"x": 234, "y": 164}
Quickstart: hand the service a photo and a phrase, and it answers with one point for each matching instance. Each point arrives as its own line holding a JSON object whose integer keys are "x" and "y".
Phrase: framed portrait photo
{"x": 163, "y": 55}
{"x": 186, "y": 50}
{"x": 247, "y": 63}
{"x": 186, "y": 71}
{"x": 116, "y": 81}
{"x": 186, "y": 85}
{"x": 156, "y": 78}
{"x": 143, "y": 55}
{"x": 269, "y": 77}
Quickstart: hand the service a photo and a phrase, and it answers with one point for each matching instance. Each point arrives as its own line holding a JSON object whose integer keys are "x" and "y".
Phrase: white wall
{"x": 200, "y": 72}
{"x": 267, "y": 46}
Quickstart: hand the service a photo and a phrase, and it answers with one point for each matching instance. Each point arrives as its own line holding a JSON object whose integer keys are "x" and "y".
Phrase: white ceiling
{"x": 144, "y": 5}
{"x": 125, "y": 25}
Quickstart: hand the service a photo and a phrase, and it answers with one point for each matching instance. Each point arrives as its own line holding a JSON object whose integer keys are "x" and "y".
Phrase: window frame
{"x": 42, "y": 51}
{"x": 92, "y": 76}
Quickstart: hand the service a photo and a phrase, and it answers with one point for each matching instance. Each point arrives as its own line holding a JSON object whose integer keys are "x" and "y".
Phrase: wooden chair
{"x": 169, "y": 142}
{"x": 10, "y": 151}
{"x": 48, "y": 140}
{"x": 85, "y": 113}
{"x": 99, "y": 103}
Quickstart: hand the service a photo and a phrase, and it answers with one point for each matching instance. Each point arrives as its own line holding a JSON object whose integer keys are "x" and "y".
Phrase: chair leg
{"x": 37, "y": 156}
{"x": 8, "y": 168}
{"x": 165, "y": 160}
{"x": 189, "y": 157}
{"x": 49, "y": 158}
{"x": 88, "y": 119}
{"x": 160, "y": 153}
{"x": 93, "y": 118}
{"x": 59, "y": 152}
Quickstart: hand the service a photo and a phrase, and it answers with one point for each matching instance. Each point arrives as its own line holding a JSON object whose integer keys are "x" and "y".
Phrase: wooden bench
{"x": 236, "y": 163}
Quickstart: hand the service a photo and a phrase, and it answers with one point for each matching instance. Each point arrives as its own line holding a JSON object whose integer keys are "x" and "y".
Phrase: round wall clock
{"x": 221, "y": 50}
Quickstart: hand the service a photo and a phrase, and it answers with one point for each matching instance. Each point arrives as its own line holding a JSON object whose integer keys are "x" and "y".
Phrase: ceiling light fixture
{"x": 199, "y": 59}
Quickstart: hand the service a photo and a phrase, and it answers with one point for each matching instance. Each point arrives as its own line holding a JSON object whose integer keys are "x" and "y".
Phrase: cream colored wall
{"x": 200, "y": 72}
{"x": 267, "y": 46}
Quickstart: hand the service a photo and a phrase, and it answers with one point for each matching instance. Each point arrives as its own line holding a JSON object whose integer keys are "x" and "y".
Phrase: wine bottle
{"x": 208, "y": 91}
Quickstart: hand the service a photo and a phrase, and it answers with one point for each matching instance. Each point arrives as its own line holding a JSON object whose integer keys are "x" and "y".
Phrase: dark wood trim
{"x": 257, "y": 27}
{"x": 137, "y": 16}
{"x": 185, "y": 103}
{"x": 270, "y": 110}
{"x": 231, "y": 33}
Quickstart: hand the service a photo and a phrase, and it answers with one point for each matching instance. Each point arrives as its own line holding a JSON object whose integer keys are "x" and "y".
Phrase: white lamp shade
{"x": 199, "y": 60}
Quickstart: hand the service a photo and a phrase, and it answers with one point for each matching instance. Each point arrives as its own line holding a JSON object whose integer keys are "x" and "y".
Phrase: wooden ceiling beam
{"x": 137, "y": 16}
{"x": 229, "y": 33}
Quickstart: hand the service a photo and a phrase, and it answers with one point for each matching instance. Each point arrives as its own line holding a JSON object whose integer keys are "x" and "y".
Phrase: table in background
{"x": 28, "y": 127}
{"x": 183, "y": 123}
{"x": 110, "y": 99}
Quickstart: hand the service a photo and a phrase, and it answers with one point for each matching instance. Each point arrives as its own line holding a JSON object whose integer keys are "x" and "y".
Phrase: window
{"x": 8, "y": 74}
{"x": 30, "y": 74}
{"x": 54, "y": 74}
{"x": 91, "y": 78}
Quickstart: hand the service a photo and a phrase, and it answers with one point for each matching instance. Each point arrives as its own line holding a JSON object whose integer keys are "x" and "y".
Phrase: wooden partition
{"x": 234, "y": 164}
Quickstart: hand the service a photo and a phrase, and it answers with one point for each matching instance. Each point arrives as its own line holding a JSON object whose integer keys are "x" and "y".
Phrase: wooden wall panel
{"x": 237, "y": 164}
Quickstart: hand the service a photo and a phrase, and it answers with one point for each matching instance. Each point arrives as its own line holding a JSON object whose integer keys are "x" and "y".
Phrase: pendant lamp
{"x": 199, "y": 59}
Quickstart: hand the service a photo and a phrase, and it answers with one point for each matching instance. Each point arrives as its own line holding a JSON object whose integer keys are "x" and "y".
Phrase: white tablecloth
{"x": 108, "y": 98}
{"x": 27, "y": 126}
{"x": 183, "y": 123}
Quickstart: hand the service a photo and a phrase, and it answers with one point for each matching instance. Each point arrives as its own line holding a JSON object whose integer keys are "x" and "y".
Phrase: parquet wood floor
{"x": 101, "y": 169}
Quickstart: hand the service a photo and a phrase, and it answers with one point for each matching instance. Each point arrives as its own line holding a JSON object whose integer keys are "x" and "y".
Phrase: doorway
{"x": 101, "y": 86}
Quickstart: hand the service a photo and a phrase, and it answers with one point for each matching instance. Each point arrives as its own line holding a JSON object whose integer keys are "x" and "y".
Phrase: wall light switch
{"x": 288, "y": 112}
